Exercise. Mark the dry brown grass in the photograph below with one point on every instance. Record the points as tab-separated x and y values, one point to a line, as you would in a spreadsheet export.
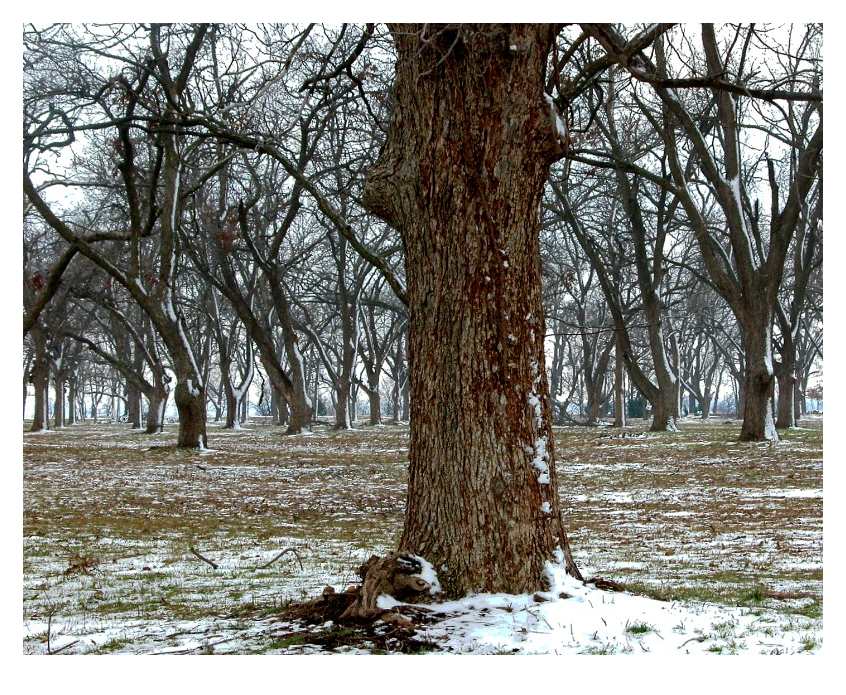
693	514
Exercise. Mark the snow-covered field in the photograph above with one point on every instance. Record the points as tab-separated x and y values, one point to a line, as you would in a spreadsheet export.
118	530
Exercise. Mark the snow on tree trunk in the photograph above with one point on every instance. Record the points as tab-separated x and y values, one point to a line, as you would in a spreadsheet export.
155	411
191	405
786	413
758	425
461	177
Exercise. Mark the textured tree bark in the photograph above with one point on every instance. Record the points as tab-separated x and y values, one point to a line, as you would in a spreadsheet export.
133	405
40	378
191	406
461	177
342	405
759	382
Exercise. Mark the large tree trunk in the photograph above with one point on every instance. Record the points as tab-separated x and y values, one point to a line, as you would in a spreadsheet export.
342	406
461	176
758	387
706	404
665	407
155	411
191	406
40	380
133	405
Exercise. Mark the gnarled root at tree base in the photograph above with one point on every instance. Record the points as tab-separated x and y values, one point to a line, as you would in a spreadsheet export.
396	575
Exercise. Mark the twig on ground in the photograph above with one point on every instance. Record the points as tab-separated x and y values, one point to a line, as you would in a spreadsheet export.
194	552
788	595
276	557
61	649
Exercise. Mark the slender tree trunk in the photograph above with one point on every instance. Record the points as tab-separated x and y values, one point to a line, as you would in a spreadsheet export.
395	403
231	410
229	394
218	405
798	405
786	377
406	401
283	412
316	399
375	403
71	414
619	385
59	407
274	406
461	176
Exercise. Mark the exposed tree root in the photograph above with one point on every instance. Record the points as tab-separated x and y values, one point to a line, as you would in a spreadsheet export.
396	575
356	618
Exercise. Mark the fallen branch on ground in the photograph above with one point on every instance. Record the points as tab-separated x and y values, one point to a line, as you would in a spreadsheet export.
194	552
276	557
606	584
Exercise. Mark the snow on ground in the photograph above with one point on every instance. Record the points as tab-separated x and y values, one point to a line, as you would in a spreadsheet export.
592	621
729	534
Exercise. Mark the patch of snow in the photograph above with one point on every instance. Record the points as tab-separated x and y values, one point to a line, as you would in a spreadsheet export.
590	620
793	492
386	602
428	574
